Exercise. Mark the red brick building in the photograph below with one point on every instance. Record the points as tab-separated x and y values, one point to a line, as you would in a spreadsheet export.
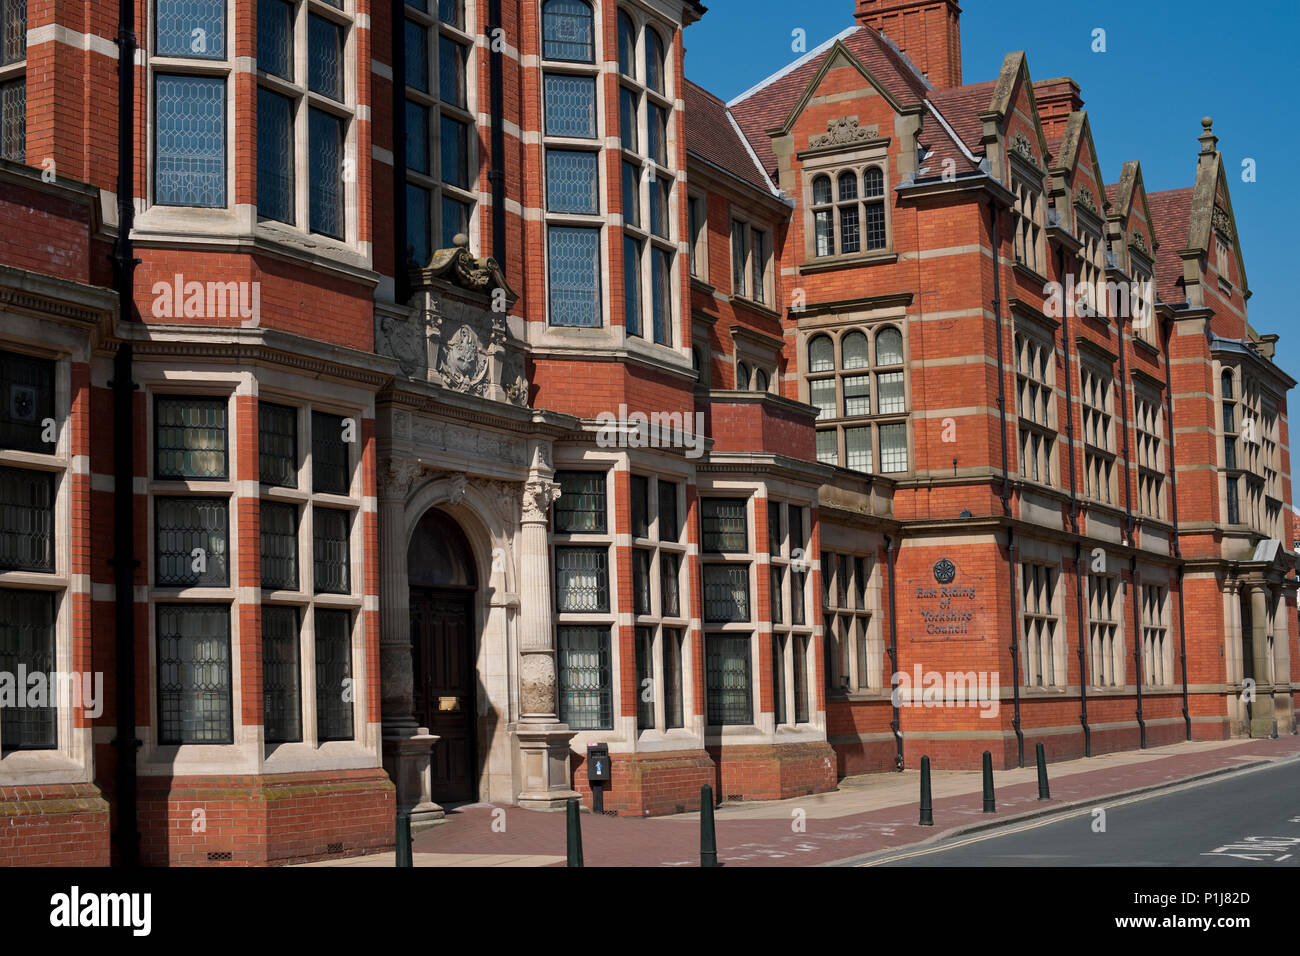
857	419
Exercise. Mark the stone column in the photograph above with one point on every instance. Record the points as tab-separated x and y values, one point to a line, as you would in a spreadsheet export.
1262	723
543	740
407	746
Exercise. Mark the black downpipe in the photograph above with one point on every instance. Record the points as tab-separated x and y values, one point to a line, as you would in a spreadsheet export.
127	834
1074	518
497	175
1128	531
401	263
894	725
1173	494
1006	488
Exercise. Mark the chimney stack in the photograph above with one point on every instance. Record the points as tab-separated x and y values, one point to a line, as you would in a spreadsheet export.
1056	100
928	31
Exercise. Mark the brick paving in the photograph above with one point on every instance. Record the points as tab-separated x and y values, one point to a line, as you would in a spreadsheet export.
867	814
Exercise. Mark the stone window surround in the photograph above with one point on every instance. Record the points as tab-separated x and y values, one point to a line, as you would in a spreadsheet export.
699	201
1152	472
758	352
1117	657
688	732
871	153
435	182
786	629
863	606
1099	455
837	327
1047	554
748	225
249	754
1041	332
1026	183
1157	628
72	759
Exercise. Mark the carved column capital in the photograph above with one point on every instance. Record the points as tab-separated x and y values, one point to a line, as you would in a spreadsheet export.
396	477
539	494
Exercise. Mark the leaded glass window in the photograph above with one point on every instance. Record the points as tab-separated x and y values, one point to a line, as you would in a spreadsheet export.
632	248
190	438
670	565
325	161
581	508
452	12
627	118
575	276
281	675
674	711
335	688
26	520
418	228
779	643
332	550
279	546
329	454
727	680
417	57
657	122
455	220
626	45
190	140
640	506
13	31
26	402
194	683
655	61
582	580
568	31
192	538
13	120
586	691
275	39
194	29
324	57
645	702
454	144
417	137
451	71
726	593
661	274
570	105
801	715
669	526
572	182
277	444
275	195
27	644
641	560
724	525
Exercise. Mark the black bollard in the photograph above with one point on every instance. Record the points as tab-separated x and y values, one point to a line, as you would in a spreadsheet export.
708	836
927	809
990	805
403	840
1044	793
574	832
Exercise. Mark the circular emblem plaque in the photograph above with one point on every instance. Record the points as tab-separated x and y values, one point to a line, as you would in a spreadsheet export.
944	571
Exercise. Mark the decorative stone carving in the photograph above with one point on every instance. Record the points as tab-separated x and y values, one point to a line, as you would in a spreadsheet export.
1223	224
402	339
459	486
539	495
458	265
464	364
1085	201
844	131
1022	146
396	477
537	684
1139	242
440	436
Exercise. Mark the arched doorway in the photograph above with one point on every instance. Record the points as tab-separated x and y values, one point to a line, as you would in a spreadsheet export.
440	571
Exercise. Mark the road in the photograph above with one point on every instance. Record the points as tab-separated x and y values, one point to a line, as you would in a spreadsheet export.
1250	818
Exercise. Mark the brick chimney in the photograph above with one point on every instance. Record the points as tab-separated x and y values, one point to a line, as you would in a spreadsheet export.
928	31
1056	100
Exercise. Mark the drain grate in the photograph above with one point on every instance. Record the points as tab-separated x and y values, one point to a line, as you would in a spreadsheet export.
334	848
220	856
736	797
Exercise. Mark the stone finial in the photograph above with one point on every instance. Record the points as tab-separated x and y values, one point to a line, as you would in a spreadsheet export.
1209	142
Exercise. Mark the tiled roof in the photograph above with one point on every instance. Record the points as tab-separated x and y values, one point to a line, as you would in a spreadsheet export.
711	135
1171	213
961	107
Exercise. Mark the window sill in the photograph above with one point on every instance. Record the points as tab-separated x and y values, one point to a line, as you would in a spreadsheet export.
754	306
1033	275
1152	350
829	264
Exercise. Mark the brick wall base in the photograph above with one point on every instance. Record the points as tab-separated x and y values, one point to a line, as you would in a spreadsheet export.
60	825
647	785
774	772
269	820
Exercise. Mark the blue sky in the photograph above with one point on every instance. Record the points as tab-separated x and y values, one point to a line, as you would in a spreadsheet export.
1166	65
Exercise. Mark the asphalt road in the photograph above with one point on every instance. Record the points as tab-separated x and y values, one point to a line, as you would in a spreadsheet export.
1250	818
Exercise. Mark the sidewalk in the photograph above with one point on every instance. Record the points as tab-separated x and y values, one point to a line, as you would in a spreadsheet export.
867	814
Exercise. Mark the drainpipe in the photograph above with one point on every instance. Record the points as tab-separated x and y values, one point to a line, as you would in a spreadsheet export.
497	175
1128	531
401	274
1006	488
1074	519
894	725
127	834
1173	491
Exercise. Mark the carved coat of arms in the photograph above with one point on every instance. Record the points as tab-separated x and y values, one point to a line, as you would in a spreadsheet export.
464	363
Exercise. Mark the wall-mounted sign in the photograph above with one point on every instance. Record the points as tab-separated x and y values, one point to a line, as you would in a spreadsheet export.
948	610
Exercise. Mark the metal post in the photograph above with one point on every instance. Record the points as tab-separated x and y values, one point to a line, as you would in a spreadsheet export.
708	836
990	805
1044	793
574	831
927	808
403	847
